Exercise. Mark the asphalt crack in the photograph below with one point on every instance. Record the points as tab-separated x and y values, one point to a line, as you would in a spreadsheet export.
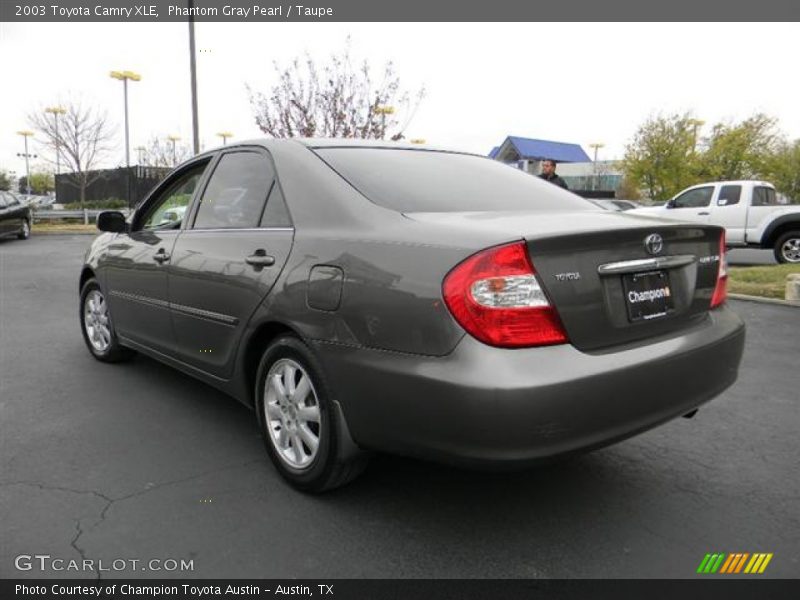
110	501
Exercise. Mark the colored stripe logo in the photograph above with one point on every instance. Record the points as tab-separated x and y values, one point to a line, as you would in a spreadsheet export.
737	562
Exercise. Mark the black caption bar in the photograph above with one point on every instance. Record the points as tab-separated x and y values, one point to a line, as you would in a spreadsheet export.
409	10
414	589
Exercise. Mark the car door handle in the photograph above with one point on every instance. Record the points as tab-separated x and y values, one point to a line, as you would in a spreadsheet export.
260	259
161	257
704	213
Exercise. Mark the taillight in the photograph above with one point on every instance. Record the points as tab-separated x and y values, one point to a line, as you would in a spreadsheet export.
496	297
721	289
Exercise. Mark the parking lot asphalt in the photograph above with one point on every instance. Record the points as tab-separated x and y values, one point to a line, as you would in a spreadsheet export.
137	461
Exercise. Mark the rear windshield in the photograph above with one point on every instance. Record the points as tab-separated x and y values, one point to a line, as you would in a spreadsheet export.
429	181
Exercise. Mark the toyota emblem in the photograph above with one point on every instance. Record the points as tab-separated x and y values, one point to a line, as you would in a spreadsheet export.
653	243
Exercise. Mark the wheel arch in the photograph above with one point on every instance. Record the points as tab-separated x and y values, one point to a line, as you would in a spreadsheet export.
778	228
86	274
254	347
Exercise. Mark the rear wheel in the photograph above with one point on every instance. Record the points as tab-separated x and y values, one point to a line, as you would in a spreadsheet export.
25	231
787	247
300	422
97	326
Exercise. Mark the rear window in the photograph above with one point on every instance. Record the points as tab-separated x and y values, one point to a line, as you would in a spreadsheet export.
429	181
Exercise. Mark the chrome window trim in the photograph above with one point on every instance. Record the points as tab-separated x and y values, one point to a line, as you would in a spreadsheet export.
235	229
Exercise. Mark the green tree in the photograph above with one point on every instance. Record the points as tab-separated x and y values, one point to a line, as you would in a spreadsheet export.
42	183
783	169
661	159
5	182
740	150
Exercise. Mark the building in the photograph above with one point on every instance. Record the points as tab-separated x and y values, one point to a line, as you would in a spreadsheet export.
582	175
527	154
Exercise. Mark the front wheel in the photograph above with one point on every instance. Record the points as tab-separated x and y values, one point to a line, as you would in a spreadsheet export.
97	326
787	247
299	421
25	232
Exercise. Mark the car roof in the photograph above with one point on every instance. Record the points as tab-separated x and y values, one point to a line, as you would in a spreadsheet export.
313	143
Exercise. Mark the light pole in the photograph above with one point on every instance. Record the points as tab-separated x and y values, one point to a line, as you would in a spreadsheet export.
26	134
55	111
173	139
225	135
383	111
596	146
124	76
193	78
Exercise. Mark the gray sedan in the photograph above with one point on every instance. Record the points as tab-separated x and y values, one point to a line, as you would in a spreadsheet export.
378	297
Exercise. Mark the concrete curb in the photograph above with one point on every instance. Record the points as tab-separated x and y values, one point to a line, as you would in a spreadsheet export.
763	300
50	233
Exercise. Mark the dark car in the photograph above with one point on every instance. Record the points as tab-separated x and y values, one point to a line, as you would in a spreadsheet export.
428	303
15	217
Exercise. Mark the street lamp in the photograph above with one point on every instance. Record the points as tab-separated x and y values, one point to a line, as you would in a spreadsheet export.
596	146
26	134
173	139
225	135
55	111
124	76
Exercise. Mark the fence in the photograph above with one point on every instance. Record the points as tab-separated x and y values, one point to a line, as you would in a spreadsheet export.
88	215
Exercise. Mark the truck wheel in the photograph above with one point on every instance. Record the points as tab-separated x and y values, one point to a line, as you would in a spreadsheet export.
787	247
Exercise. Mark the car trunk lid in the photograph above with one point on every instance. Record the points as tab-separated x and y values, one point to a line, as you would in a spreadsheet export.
608	284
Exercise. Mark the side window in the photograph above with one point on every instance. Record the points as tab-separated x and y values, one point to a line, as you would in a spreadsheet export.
695	198
168	210
235	195
729	194
764	196
276	214
2	200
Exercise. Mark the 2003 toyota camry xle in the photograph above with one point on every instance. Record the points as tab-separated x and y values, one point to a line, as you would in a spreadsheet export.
375	297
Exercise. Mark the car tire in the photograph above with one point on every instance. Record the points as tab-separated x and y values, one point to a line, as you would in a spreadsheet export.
97	326
25	232
302	426
787	247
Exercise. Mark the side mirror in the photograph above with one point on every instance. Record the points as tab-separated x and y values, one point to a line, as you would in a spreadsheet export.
113	221
722	202
670	204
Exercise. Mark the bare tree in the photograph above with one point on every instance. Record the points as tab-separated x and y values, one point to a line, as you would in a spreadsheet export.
82	139
159	153
337	100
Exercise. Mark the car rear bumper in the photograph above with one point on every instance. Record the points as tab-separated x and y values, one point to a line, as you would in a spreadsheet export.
481	404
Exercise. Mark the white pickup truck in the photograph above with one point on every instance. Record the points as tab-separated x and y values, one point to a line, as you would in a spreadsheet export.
748	210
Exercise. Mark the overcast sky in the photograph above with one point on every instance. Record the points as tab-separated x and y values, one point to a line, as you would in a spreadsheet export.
578	83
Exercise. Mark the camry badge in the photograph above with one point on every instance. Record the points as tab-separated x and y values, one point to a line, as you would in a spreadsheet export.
653	243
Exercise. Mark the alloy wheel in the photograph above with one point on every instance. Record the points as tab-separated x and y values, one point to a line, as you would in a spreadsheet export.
292	413
791	250
96	322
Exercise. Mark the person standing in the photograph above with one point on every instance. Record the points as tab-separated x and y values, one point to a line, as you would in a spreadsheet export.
549	174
